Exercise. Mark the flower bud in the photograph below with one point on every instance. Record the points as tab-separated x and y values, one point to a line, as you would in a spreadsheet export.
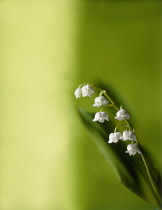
132	149
87	90
114	137
100	101
122	114
101	117
129	135
78	93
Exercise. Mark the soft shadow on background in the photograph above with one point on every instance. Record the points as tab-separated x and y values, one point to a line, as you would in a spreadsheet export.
47	49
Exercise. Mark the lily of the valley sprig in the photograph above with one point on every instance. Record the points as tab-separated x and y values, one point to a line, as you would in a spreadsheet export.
103	100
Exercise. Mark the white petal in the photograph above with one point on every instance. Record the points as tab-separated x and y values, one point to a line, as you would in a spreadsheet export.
98	115
101	120
78	93
122	114
129	135
84	91
105	116
119	135
103	100
114	137
87	90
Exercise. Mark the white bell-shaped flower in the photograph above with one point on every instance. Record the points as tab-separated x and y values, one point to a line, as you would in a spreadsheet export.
132	149
87	90
122	114
129	135
101	117
78	93
114	137
100	101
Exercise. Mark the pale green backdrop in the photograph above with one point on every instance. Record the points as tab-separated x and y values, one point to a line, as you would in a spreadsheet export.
48	162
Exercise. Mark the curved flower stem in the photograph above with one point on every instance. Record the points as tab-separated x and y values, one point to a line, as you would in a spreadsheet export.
119	126
130	126
108	105
108	97
81	85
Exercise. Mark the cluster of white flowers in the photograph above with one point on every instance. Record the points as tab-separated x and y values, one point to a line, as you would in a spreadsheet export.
127	135
86	90
132	149
122	114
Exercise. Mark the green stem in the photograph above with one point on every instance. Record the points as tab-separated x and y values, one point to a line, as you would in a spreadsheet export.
108	97
119	126
108	105
81	85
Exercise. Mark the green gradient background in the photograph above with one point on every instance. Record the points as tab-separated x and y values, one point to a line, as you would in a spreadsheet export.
47	48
